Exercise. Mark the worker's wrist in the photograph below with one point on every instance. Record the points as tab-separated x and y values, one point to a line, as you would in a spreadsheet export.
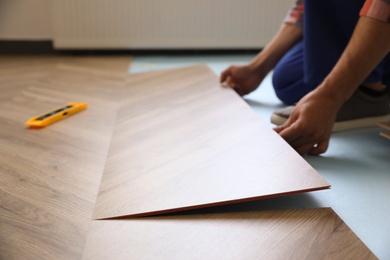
333	94
260	66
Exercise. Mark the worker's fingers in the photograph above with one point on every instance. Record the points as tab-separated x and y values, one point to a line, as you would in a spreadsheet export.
288	131
225	74
229	82
239	91
302	140
304	149
279	128
320	148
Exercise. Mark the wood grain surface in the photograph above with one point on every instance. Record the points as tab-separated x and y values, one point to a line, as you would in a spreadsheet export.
387	127
385	134
174	140
286	234
181	141
49	178
17	72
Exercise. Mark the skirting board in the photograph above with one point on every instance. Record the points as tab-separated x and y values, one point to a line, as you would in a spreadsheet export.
181	141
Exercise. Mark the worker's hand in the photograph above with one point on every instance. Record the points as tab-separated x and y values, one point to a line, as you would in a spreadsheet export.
243	79
309	127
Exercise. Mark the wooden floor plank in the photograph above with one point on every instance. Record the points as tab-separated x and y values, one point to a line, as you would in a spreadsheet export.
18	72
50	177
385	125
287	234
385	134
181	142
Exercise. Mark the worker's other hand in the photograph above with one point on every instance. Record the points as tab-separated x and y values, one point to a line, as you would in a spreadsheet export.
243	79
309	127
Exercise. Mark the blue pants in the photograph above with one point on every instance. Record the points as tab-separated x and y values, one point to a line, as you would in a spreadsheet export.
328	26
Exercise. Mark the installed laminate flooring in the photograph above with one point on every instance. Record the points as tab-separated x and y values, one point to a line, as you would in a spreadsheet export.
50	177
16	73
284	234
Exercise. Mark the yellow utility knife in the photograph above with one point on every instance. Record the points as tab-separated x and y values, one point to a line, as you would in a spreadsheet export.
56	114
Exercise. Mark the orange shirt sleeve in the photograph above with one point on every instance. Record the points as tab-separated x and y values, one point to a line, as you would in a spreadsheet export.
296	14
377	9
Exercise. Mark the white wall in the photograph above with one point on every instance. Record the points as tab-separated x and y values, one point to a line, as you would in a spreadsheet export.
34	20
166	24
25	20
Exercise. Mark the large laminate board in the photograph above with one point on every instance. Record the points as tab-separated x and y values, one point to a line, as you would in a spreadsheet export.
181	141
49	178
284	234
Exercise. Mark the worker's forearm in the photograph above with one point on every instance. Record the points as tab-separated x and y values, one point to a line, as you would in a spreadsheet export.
286	37
369	44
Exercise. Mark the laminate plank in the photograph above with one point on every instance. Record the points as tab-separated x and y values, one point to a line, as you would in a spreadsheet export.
385	125
286	234
49	178
17	72
385	134
181	141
